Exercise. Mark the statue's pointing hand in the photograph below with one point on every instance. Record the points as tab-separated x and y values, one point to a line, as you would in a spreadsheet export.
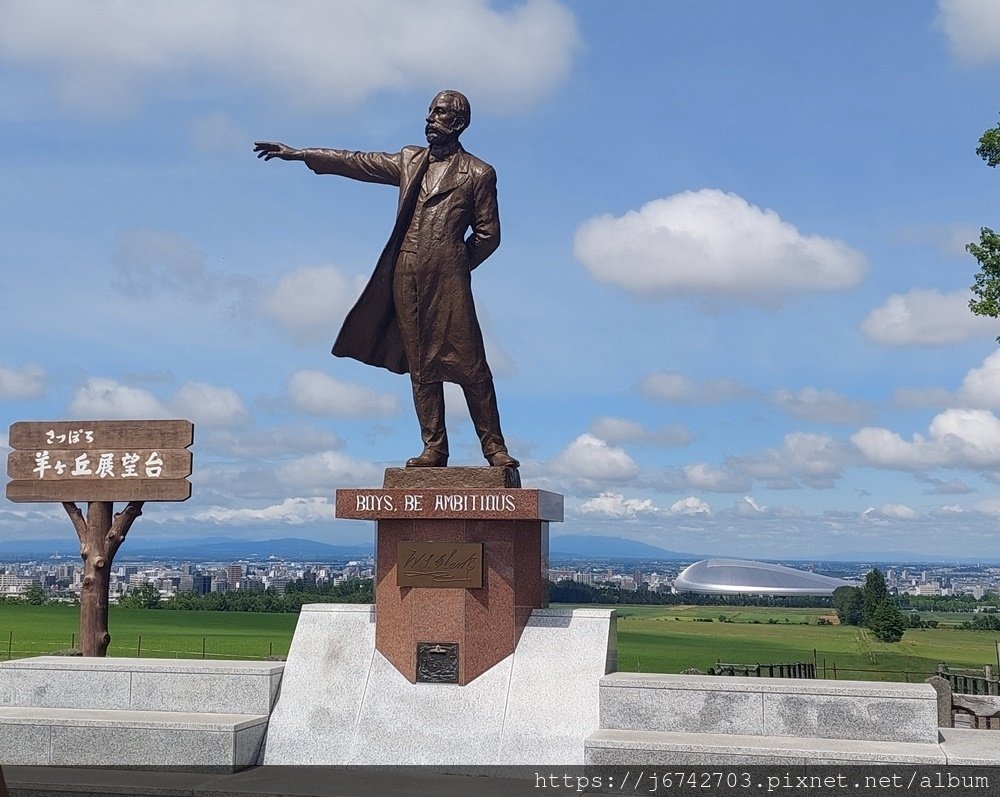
274	149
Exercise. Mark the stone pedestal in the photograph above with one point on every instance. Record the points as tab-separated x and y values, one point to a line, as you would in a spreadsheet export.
461	561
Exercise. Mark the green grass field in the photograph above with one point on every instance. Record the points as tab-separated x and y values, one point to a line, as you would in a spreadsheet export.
650	639
670	639
33	630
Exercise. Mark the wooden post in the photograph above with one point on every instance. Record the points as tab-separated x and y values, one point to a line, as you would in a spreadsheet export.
101	533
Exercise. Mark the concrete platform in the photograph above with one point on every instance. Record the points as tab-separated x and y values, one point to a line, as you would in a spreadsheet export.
136	684
809	709
653	748
342	702
65	736
135	712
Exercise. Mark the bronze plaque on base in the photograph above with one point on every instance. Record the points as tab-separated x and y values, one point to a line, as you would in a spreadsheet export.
437	662
439	564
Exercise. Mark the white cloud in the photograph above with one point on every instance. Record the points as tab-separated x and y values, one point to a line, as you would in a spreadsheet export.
270	442
312	53
617	505
956	438
940	487
981	387
704	477
310	303
618	431
589	457
106	399
711	243
208	405
676	388
26	382
889	512
325	471
972	28
319	394
823	406
926	318
815	460
690	506
291	511
748	506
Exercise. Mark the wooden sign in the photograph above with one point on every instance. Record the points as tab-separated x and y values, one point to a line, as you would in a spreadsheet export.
439	564
100	461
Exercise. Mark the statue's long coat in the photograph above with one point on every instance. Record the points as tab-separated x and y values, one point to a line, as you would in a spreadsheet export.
435	335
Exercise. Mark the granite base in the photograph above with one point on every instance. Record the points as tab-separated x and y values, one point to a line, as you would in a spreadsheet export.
343	702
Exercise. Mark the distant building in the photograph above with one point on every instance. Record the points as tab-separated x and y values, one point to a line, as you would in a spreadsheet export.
744	577
234	575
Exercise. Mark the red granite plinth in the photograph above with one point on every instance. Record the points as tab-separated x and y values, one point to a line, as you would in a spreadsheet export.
512	524
487	622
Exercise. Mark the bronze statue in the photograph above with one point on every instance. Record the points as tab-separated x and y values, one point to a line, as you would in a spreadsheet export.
416	315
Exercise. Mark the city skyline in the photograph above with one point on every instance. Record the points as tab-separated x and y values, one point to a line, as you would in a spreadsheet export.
728	316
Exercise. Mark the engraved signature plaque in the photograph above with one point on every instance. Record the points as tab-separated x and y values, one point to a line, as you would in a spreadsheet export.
437	662
439	564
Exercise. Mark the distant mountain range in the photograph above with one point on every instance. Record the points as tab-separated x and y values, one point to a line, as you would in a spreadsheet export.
221	549
612	547
198	549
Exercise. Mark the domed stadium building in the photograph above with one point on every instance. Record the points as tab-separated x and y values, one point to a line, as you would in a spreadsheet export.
743	577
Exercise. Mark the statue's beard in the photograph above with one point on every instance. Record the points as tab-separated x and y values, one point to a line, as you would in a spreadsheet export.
436	135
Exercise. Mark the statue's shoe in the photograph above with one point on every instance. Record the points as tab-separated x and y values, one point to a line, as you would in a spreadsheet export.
428	459
501	459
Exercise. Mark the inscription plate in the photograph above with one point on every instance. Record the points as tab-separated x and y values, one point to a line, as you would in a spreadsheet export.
464	503
439	564
437	662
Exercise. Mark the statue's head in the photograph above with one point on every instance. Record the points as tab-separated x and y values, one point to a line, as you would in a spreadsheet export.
448	115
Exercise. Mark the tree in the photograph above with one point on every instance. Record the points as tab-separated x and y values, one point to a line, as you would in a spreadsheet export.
35	595
887	621
849	604
989	146
873	593
986	289
145	597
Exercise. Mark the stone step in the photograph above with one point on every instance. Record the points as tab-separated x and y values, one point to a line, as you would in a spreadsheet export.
653	748
137	684
111	738
812	709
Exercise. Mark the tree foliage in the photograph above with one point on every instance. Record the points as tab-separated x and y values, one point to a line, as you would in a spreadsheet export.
887	621
989	146
35	595
986	288
873	593
849	604
872	607
298	593
146	596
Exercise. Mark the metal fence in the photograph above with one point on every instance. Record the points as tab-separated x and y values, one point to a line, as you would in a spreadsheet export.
12	647
795	669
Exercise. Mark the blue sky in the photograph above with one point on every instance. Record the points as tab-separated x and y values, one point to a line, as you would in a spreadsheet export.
728	316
